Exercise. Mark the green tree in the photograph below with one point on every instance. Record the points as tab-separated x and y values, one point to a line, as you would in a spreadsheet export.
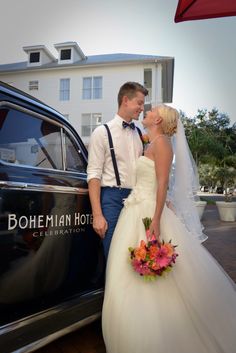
213	144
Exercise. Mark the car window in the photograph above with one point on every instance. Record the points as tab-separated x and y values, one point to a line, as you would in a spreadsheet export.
29	140
74	159
49	145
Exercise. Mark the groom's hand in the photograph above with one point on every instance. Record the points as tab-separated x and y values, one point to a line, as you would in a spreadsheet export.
100	225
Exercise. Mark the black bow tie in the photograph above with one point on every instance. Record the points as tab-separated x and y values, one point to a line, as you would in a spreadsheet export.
131	125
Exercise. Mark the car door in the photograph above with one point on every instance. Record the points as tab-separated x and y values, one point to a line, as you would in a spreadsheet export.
48	249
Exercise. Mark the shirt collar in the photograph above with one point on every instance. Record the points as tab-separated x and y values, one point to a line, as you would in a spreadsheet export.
119	120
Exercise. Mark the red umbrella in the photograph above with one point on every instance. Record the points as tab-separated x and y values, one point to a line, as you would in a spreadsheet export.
188	10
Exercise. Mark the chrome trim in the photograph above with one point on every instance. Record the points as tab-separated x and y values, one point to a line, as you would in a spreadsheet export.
63	148
46	340
31	112
30	100
59	171
43	314
26	321
39	187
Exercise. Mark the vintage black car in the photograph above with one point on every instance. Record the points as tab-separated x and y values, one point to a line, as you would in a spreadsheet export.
51	261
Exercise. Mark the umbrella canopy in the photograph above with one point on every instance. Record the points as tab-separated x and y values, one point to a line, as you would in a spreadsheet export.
188	10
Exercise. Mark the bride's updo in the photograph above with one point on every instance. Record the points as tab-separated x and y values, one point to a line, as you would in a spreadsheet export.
169	117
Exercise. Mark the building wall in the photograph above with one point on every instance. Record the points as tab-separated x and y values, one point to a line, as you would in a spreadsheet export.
113	77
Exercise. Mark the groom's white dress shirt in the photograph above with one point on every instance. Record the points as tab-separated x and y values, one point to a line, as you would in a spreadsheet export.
128	147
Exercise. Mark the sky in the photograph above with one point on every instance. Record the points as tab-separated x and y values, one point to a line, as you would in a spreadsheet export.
204	50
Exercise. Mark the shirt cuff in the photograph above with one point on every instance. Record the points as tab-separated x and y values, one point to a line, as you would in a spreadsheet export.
93	176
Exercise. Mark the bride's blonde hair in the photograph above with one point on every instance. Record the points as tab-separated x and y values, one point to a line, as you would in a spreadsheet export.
169	117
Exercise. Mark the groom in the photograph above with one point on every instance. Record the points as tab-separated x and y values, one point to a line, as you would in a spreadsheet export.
113	151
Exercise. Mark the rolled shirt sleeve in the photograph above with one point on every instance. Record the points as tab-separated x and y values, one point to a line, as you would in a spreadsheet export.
96	155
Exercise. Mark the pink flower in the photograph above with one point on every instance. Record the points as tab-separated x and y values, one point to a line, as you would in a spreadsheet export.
140	267
162	257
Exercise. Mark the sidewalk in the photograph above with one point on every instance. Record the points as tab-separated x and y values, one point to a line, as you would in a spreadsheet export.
221	241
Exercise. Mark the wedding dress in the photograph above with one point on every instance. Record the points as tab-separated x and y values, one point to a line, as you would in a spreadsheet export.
192	309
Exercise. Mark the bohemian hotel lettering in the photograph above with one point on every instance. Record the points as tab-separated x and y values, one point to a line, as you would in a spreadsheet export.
45	221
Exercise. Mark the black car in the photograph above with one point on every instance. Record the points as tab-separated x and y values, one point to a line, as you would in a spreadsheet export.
51	261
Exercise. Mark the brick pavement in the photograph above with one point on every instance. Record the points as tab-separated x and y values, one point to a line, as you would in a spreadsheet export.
221	243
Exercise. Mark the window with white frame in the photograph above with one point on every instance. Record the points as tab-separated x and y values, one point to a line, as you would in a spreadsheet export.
64	89
92	87
97	87
89	122
87	88
33	85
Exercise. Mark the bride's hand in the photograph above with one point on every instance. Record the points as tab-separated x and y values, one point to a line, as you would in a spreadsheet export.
155	230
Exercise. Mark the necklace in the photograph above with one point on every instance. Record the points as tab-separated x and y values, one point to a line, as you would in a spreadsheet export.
155	138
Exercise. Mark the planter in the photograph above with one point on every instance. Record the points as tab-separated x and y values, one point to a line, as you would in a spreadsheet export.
201	207
227	210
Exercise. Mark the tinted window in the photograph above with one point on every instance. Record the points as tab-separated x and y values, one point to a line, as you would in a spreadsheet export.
74	159
49	148
32	141
28	140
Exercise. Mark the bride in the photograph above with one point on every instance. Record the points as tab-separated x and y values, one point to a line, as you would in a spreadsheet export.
193	308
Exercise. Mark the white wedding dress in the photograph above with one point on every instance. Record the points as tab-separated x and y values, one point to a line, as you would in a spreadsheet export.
190	310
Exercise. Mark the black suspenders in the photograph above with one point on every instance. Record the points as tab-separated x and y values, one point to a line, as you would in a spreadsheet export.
140	135
113	153
113	156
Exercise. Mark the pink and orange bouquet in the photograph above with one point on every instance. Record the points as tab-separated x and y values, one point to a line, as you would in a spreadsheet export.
152	258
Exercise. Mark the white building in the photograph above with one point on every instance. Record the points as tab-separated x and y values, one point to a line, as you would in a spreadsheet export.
85	88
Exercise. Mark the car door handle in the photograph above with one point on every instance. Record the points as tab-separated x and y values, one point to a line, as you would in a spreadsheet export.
13	185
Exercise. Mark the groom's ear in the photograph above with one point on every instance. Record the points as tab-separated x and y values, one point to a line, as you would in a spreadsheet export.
125	99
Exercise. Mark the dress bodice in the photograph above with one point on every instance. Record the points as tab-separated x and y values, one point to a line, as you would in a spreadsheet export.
146	183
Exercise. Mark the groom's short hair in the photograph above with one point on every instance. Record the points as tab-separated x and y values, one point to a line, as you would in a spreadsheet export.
130	90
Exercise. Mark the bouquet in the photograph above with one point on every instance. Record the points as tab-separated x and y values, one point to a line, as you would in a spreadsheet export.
152	258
